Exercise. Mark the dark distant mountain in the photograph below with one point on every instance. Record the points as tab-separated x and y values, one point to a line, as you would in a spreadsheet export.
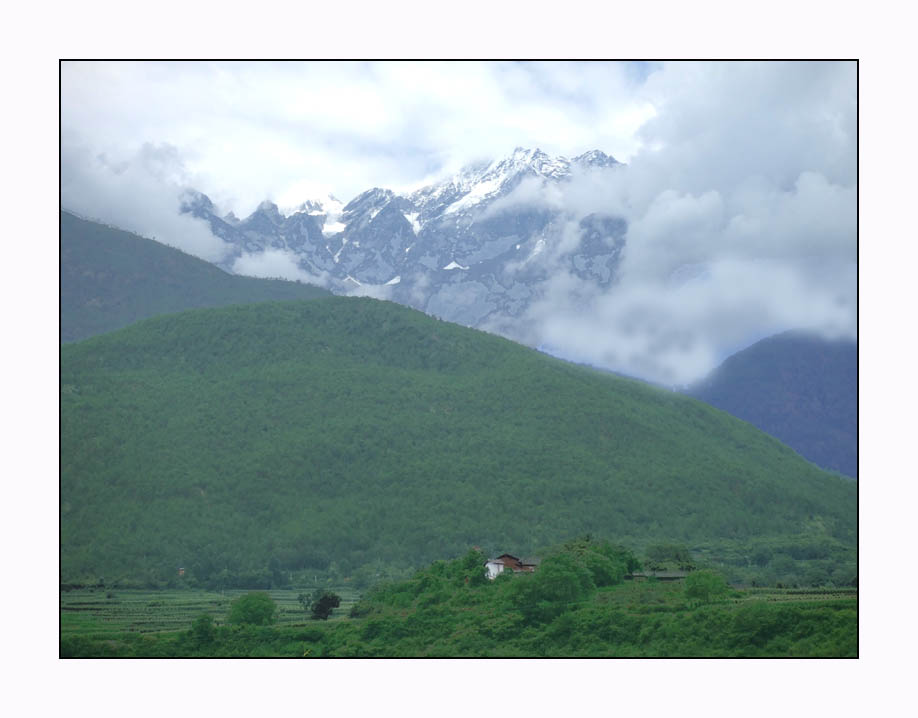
111	278
800	389
455	249
343	433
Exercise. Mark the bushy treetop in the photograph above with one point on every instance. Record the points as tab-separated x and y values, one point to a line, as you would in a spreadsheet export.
256	608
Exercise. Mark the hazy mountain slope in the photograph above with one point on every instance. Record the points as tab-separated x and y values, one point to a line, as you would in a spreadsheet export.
798	388
351	431
111	278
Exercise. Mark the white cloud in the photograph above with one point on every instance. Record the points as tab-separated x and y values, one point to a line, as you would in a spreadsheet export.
376	291
251	131
140	193
275	264
742	222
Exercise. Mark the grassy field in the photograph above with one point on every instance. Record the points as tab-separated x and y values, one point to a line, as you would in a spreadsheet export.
100	613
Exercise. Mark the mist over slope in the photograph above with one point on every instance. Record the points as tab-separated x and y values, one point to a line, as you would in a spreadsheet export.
110	278
797	387
346	432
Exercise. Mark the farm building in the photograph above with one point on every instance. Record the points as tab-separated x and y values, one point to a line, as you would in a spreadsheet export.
496	566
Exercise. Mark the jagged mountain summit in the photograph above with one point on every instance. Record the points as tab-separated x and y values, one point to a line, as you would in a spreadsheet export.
461	249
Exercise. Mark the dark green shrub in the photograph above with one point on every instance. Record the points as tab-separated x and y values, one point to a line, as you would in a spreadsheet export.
360	609
323	603
310	635
203	629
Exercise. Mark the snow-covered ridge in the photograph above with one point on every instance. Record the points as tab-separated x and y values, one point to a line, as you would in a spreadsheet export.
328	209
439	248
481	182
328	205
412	218
472	185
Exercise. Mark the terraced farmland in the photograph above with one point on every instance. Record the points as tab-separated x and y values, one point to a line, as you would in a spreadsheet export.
98	612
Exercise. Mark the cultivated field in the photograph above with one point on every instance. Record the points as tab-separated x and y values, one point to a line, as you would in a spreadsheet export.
799	594
99	611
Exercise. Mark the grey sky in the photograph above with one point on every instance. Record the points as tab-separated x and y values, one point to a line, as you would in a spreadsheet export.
291	131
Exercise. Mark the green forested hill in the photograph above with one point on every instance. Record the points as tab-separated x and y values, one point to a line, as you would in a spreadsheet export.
111	278
343	433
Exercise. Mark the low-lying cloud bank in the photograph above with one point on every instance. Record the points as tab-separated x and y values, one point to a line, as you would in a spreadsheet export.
742	222
140	194
701	275
275	264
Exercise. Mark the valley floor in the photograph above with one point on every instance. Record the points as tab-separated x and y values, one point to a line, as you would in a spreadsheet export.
642	619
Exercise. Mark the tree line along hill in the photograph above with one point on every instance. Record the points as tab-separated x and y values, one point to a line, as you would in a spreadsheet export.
247	444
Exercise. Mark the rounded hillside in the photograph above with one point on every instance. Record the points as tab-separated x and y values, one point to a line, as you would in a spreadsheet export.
347	431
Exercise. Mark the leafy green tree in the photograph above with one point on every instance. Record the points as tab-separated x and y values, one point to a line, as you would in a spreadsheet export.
606	563
323	603
559	583
705	586
256	608
473	568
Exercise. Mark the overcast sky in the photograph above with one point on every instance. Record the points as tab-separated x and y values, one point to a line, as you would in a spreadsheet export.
740	192
243	132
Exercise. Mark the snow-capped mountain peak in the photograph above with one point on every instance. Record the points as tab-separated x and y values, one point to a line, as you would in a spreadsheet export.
438	249
328	205
595	158
482	182
326	210
537	161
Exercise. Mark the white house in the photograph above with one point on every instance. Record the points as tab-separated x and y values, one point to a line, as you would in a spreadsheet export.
496	566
